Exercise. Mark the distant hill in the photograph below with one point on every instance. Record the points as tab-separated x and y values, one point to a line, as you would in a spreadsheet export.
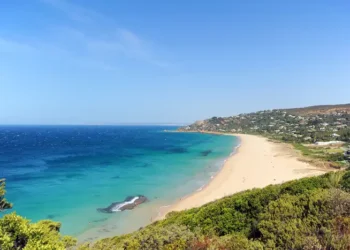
309	124
320	109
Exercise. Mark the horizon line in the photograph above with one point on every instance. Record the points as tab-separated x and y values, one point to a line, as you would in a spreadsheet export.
114	124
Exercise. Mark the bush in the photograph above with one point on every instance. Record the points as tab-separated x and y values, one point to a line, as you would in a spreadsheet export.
169	237
18	233
4	204
345	182
240	212
289	219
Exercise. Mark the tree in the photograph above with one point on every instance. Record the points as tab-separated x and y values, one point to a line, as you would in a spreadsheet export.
4	204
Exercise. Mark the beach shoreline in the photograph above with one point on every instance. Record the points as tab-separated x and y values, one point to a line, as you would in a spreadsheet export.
164	210
255	163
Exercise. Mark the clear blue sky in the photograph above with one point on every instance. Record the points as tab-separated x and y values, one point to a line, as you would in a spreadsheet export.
108	62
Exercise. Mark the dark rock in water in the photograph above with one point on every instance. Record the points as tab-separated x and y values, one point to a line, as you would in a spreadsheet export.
116	177
206	152
51	216
129	203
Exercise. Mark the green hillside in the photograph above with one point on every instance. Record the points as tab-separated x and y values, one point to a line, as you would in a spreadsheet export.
300	126
307	125
320	109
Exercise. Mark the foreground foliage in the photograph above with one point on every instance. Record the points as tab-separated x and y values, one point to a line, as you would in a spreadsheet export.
311	213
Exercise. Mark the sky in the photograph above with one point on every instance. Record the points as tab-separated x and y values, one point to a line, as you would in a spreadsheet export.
155	61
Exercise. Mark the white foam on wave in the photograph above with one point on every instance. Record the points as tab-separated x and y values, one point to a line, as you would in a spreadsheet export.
119	206
235	149
199	189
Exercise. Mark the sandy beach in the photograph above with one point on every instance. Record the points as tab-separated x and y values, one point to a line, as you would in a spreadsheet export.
257	163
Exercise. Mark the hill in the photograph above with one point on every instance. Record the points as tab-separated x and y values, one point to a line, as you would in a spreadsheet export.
320	109
317	124
309	124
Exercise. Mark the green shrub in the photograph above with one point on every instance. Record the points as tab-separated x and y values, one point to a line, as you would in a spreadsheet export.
289	219
345	182
18	233
151	237
4	204
240	212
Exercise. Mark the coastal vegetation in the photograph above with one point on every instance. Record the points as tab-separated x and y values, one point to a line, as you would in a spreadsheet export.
306	125
323	156
309	213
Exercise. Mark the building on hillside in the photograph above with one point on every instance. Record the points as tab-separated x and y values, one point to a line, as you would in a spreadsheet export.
328	143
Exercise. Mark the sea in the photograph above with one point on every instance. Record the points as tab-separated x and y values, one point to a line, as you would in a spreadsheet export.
65	173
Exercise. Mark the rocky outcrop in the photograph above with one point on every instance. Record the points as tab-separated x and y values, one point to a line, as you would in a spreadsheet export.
129	203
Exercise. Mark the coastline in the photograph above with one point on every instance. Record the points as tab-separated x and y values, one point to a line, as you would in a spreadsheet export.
255	163
170	207
201	171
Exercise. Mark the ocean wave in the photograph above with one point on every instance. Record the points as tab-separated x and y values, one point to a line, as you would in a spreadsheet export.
118	207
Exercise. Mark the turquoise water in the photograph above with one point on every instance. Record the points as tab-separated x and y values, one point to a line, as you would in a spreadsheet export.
65	173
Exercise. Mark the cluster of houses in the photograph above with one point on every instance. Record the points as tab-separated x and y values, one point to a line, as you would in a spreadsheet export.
282	124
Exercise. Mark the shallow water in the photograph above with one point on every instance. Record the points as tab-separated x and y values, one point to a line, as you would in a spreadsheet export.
65	173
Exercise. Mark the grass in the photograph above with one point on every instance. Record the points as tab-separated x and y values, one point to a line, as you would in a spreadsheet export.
332	155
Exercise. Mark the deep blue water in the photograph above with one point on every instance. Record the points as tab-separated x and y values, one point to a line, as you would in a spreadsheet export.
64	173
